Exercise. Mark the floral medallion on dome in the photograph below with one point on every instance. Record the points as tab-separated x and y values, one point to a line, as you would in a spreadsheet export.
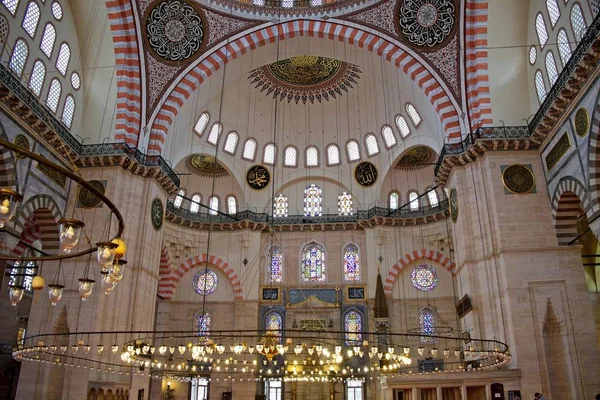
305	78
206	166
426	23
420	156
175	30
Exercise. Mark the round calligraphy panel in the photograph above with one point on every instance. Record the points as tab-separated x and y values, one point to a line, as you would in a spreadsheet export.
88	199
258	177
366	174
518	179
427	24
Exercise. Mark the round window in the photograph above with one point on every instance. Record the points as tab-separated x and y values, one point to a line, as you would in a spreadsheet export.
424	278
205	282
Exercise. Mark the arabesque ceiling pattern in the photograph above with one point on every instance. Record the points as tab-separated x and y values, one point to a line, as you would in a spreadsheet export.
420	37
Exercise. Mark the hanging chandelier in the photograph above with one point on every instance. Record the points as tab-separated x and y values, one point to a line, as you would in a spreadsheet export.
110	253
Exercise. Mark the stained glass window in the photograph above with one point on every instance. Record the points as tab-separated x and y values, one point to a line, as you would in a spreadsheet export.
578	22
333	155
345	204
179	198
312	156
433	198
540	28
201	123
25	281
215	133
36	80
280	206
353	150
275	264
195	203
31	19
48	38
269	154
402	126
231	143
313	201
291	157
427	324
231	205
564	48
394	200
424	278
313	263
413	197
19	57
202	323
351	263
353	328
388	136
205	282
274	323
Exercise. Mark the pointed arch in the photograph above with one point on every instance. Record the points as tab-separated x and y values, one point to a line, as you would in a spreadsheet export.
38	220
433	255
164	269
569	201
443	103
167	285
8	170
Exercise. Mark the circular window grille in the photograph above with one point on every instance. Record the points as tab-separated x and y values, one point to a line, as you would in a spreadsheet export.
205	282
532	55
75	80
424	278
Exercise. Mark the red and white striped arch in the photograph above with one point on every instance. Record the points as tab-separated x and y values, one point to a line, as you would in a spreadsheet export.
433	255
476	63
38	220
168	283
128	70
337	30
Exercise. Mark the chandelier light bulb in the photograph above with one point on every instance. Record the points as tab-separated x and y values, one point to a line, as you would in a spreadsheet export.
100	348
106	253
434	352
338	349
55	293
457	353
391	349
115	348
406	350
15	294
421	350
85	288
162	349
69	233
8	205
446	352
181	349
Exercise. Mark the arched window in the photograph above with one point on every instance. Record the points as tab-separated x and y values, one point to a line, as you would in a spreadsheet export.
231	143
551	68
388	136
195	203
287	3
414	115
11	5
553	11
202	324
312	268
36	80
62	61
16	279
231	205
249	150
578	22
413	198
269	154
427	324
48	38
540	86
394	200
540	29
53	96
564	48
179	198
433	198
372	145
345	204
213	203
19	57
313	201
351	263
201	123
274	323
353	150
275	264
215	133
353	328
311	156
402	126
333	155
280	206
68	111
31	18
291	157
57	10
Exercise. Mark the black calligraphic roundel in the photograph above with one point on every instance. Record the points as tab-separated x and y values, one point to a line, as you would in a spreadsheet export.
258	177
366	174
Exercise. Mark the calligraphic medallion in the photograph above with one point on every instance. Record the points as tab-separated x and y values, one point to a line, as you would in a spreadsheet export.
582	122
427	24
518	179
87	199
454	205
258	177
157	214
365	174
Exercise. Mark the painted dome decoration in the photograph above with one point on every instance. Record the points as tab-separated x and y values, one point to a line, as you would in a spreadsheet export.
206	166
305	78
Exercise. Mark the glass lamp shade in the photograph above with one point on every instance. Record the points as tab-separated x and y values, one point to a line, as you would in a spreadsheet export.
9	199
38	282
15	294
117	269
70	231
85	288
106	253
108	284
55	293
